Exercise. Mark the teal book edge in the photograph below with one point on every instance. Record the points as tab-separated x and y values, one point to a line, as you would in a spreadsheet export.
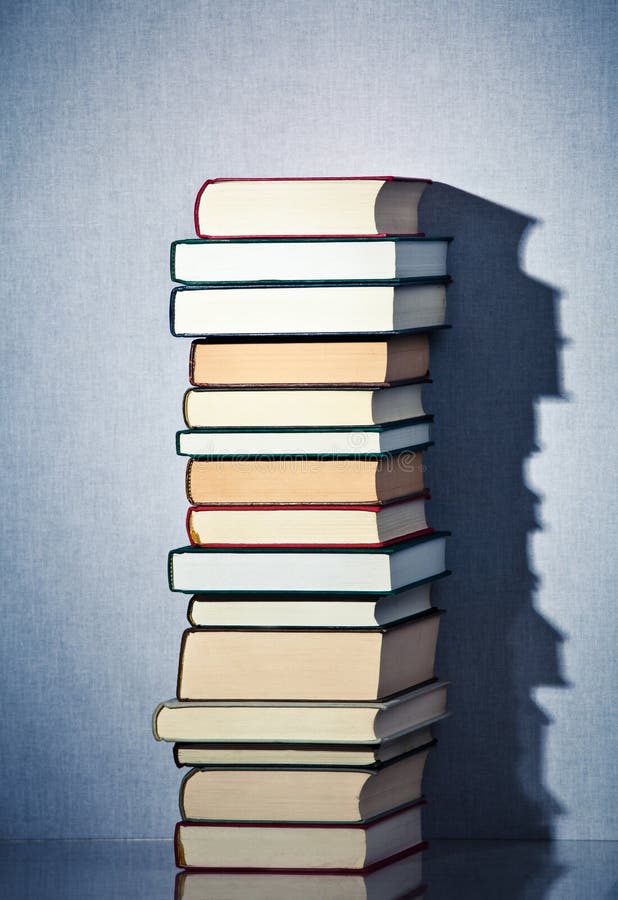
369	597
314	429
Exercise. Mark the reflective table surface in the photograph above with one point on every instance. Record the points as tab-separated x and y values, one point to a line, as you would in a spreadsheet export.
144	870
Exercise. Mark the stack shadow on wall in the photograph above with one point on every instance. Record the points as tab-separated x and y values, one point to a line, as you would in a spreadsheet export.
306	689
506	357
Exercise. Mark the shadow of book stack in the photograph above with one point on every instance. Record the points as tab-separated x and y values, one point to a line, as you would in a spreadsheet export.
306	688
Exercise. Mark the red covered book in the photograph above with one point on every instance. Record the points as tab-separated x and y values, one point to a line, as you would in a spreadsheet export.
277	847
307	525
308	207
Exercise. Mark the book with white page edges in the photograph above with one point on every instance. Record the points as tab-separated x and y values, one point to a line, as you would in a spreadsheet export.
193	569
379	308
405	434
195	261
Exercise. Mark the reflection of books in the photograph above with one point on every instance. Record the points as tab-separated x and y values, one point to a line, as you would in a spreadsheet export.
227	207
331	755
277	845
194	261
311	610
334	663
320	722
297	309
395	881
285	794
371	362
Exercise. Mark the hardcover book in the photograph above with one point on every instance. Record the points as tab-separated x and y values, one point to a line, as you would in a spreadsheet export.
311	610
304	363
368	663
336	440
195	261
193	569
273	407
305	722
303	479
314	524
341	310
233	207
337	847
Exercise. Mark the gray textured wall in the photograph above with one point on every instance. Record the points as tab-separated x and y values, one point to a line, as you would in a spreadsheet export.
114	113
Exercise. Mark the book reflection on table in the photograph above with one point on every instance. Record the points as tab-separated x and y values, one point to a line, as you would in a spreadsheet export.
399	880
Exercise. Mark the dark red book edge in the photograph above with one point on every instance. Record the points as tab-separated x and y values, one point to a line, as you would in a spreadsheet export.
361	507
402	854
371	508
312	385
321	545
181	877
368	870
312	178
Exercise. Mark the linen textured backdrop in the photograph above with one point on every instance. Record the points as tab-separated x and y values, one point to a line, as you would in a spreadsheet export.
114	113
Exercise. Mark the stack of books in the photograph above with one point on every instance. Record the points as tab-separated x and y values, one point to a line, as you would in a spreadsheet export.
306	685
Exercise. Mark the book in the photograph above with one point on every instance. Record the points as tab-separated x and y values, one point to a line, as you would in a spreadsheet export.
196	261
295	525
266	407
354	847
304	479
395	881
406	434
193	569
307	722
334	663
309	362
233	207
303	309
285	794
347	610
291	754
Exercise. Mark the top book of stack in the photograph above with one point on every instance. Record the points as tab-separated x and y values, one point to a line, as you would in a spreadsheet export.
308	207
